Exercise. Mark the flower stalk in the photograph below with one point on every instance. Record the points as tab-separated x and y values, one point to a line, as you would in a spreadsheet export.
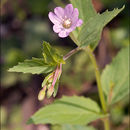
98	79
71	53
97	73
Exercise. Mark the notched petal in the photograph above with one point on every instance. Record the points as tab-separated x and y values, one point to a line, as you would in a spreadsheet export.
56	28
75	16
63	34
54	19
80	22
69	10
59	12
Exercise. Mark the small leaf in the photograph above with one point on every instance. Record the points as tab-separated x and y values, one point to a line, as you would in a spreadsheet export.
115	77
34	66
51	55
91	31
68	110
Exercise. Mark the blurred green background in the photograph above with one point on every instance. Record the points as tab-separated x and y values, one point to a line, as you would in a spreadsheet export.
24	25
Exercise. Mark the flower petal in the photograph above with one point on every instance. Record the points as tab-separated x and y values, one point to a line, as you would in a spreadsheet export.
79	22
71	28
75	16
54	19
56	28
63	34
68	10
59	12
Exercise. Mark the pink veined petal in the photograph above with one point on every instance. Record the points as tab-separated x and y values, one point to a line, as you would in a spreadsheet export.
63	34
59	12
75	16
54	19
79	22
68	10
71	29
56	28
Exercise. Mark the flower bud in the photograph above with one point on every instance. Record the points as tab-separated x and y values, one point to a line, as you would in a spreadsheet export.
50	91
50	80
41	94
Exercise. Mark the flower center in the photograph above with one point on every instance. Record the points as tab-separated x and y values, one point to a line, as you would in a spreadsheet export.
67	23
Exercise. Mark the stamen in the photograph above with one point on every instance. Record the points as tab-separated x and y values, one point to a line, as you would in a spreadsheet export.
67	23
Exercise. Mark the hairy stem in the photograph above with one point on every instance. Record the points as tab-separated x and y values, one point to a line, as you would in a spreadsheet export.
71	53
98	79
97	73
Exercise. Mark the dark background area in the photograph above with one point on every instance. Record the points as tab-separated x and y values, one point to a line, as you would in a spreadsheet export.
24	25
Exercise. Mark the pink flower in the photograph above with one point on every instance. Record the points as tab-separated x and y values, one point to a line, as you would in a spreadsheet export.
65	20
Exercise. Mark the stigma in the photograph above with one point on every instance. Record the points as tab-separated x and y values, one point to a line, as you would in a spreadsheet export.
67	23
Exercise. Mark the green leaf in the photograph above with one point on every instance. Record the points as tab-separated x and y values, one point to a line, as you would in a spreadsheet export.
50	55
77	127
115	77
68	110
91	32
34	66
82	5
72	127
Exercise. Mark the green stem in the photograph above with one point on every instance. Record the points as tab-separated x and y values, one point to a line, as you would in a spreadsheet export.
97	73
98	79
71	53
106	124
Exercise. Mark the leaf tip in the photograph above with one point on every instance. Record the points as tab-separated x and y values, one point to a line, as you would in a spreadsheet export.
123	7
10	70
30	121
44	43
